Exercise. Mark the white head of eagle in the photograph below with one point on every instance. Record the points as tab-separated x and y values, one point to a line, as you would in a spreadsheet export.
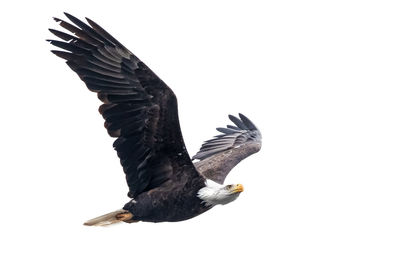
216	194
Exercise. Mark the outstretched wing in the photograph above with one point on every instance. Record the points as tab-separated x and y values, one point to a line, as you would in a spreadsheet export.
139	109
220	154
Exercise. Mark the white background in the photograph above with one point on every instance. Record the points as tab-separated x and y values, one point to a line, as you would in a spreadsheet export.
319	78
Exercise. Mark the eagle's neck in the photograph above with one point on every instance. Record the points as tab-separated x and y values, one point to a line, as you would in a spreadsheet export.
215	194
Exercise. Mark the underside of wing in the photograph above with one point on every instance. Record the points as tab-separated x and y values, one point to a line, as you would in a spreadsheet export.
139	109
220	154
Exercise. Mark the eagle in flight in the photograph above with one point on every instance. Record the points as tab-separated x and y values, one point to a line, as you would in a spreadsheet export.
141	112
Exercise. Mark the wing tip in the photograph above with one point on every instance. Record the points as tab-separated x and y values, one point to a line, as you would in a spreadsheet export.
247	122
91	22
232	117
68	14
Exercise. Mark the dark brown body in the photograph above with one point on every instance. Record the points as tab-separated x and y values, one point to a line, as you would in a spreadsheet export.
169	204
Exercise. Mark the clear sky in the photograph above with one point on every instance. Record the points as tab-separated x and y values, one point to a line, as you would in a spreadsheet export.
319	78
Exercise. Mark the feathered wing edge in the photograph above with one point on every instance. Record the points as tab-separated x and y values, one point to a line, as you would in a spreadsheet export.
232	136
220	154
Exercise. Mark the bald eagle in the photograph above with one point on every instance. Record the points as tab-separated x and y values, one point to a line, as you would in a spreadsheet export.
140	110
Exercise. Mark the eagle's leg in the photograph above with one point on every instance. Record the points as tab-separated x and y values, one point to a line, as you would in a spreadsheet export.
112	218
126	217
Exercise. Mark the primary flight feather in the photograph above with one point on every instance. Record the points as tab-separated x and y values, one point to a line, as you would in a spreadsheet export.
140	110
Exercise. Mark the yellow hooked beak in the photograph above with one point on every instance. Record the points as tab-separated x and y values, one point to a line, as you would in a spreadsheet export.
237	188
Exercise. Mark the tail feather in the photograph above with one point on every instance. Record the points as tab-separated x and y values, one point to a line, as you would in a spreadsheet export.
110	218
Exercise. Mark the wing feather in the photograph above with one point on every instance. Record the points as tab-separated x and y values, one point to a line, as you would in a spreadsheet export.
217	156
139	109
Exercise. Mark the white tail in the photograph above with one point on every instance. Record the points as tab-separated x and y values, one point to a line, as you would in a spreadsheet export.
110	218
